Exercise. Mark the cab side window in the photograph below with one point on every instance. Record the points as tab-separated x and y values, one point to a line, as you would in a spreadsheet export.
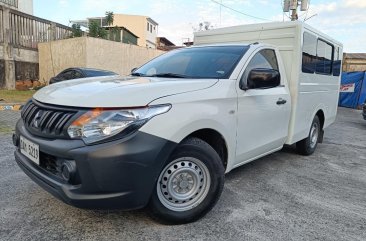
264	59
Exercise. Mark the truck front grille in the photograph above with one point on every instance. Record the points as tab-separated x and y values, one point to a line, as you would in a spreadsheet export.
47	121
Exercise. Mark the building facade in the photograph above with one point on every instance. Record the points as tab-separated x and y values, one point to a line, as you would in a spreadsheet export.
354	62
122	35
25	6
142	26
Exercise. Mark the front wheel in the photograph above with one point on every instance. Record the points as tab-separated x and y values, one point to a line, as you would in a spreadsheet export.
189	185
308	145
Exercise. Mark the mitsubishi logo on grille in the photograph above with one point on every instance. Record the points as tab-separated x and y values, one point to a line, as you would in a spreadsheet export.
37	119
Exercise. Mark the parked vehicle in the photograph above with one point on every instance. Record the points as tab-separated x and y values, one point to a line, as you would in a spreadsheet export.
79	73
165	136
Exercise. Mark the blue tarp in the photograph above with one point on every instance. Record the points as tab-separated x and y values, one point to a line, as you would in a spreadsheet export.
350	81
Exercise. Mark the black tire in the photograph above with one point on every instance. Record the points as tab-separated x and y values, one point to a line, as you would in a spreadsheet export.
195	149
306	146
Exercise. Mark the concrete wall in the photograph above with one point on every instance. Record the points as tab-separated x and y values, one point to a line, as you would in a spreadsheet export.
59	55
93	53
117	57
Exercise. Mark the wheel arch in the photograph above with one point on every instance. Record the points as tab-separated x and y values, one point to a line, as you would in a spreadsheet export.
321	116
216	140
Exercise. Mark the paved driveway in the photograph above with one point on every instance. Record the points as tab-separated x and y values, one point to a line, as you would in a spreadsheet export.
283	196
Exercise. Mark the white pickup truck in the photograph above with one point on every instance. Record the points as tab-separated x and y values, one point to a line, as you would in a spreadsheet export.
165	136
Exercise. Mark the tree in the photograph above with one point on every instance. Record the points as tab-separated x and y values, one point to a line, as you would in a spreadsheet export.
76	31
109	18
96	31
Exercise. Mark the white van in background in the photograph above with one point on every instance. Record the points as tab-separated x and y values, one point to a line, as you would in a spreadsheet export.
165	136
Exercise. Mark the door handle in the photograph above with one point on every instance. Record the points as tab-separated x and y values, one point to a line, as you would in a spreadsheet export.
281	101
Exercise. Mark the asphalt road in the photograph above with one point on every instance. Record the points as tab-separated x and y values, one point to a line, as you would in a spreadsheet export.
283	196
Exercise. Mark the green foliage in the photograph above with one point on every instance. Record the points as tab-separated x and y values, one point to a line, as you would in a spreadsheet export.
94	29
76	31
102	33
109	17
115	34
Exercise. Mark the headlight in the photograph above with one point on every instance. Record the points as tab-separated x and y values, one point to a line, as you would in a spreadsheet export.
99	124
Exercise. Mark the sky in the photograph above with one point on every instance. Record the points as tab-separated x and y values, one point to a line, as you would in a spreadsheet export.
344	20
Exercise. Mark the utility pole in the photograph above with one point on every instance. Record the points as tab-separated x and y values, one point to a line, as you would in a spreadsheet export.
293	5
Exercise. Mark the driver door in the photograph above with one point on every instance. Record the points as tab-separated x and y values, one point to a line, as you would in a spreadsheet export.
263	113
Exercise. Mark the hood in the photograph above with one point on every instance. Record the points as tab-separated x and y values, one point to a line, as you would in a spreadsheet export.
117	91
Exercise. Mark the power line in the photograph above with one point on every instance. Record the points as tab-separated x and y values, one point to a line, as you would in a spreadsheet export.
245	14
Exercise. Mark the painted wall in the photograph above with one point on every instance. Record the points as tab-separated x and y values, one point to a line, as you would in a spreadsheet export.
138	25
93	53
151	35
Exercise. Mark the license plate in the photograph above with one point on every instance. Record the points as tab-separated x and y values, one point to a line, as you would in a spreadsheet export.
29	149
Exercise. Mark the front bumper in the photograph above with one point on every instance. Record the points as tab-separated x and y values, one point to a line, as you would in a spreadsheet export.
119	174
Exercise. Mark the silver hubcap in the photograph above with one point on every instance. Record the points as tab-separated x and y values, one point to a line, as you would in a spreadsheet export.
314	133
183	184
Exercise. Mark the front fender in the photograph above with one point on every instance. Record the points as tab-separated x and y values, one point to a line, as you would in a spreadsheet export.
213	108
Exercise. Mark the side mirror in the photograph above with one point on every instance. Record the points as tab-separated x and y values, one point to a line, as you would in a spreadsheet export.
263	78
133	70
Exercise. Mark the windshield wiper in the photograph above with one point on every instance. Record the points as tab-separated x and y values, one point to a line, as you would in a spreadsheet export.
169	75
137	74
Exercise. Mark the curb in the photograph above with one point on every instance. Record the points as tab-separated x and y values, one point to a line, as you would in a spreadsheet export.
11	106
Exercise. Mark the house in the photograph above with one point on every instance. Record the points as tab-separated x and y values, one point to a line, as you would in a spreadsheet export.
165	44
144	27
188	43
25	6
354	62
122	34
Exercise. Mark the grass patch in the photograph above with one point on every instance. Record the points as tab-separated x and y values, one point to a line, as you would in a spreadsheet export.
5	128
15	96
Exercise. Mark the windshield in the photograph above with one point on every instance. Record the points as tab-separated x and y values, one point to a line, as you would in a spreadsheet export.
203	62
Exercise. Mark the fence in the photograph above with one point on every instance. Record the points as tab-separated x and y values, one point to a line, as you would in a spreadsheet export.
1	26
20	34
26	31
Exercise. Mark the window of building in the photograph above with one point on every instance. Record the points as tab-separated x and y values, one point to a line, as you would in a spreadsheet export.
309	53
13	3
324	54
148	26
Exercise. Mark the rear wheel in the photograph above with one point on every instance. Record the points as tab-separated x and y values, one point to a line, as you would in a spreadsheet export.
308	145
189	185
